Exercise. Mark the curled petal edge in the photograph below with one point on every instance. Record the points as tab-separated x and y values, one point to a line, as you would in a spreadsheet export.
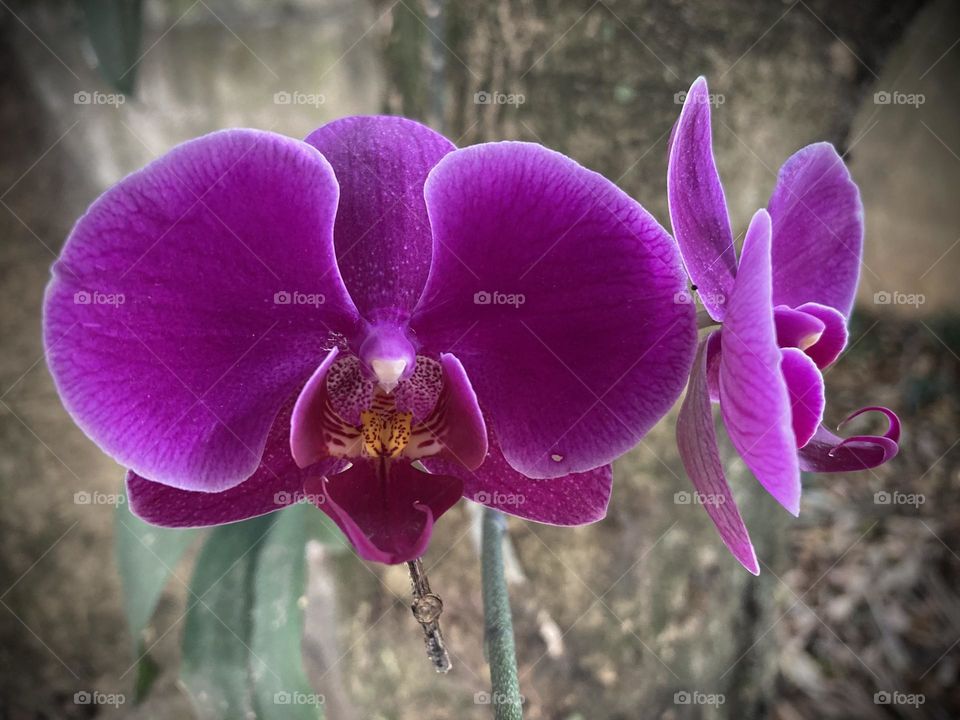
827	452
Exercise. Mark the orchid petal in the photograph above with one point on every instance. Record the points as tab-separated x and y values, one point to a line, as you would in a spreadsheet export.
828	453
457	422
698	208
556	291
382	234
795	328
575	499
893	422
308	443
817	230
753	395
386	513
832	340
697	442
276	483
174	324
807	398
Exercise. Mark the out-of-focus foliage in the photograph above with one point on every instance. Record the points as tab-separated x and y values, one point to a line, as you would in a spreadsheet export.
115	28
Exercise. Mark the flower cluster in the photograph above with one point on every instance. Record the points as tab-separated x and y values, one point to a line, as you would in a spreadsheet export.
379	323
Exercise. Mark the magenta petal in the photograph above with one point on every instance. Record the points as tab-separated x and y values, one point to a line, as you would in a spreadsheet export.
817	230
276	483
753	395
307	441
828	453
795	328
834	337
192	299
698	208
575	499
893	422
458	422
387	514
382	234
556	291
807	399
697	442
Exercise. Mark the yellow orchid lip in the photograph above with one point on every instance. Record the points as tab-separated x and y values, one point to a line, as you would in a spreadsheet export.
387	425
385	432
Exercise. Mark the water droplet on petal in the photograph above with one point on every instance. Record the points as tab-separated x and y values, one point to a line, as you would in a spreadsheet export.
556	457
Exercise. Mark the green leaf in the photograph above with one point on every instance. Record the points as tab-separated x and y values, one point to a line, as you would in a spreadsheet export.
215	665
280	686
146	556
241	642
147	673
115	28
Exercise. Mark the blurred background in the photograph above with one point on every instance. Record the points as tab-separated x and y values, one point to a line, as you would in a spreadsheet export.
857	611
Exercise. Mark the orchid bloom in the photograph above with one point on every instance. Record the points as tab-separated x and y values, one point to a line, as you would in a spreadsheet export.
252	320
783	311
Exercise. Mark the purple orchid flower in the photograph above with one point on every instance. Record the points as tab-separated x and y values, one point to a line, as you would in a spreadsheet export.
783	312
252	320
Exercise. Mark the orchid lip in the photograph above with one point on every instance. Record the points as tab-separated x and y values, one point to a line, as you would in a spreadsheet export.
343	413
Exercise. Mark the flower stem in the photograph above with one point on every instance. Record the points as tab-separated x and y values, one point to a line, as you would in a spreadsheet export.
704	320
498	625
426	608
